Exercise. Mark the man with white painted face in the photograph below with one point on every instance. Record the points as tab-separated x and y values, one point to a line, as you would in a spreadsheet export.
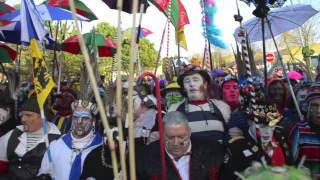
22	149
186	158
207	117
7	112
69	152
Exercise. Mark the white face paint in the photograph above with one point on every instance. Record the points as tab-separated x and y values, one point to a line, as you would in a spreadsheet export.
82	123
266	134
194	86
4	115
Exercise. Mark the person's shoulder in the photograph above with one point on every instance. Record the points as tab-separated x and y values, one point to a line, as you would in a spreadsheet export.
53	129
223	107
174	107
207	146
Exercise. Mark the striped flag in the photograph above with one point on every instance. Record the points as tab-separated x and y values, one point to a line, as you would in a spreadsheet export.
32	26
43	81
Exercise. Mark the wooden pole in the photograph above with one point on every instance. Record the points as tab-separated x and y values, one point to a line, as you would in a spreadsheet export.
130	92
119	93
96	92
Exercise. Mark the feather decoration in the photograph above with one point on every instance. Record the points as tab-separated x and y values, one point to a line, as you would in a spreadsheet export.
212	33
13	83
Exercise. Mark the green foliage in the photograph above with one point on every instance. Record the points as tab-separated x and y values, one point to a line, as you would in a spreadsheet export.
147	52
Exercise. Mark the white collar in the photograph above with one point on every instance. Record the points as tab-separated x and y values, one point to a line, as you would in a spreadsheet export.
188	151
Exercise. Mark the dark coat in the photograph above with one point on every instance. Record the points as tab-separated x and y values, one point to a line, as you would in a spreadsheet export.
206	159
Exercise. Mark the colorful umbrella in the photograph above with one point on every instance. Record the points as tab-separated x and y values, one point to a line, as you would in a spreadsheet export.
106	47
46	12
127	5
81	8
5	8
179	16
144	32
7	54
11	33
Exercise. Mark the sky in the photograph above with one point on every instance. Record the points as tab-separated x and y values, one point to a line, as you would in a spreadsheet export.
155	21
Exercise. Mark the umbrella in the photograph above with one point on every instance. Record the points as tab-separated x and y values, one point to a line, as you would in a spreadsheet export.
144	32
11	33
281	20
81	8
46	12
106	47
295	75
7	54
127	5
5	8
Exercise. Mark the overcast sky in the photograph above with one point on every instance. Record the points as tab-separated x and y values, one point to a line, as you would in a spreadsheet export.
155	21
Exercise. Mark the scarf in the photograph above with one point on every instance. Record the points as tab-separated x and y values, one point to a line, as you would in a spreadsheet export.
76	165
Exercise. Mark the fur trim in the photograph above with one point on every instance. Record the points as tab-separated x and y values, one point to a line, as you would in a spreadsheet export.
224	109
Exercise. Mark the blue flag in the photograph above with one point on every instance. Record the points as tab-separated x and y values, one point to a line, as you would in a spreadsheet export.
32	26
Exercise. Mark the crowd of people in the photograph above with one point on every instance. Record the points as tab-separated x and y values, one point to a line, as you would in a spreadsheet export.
215	126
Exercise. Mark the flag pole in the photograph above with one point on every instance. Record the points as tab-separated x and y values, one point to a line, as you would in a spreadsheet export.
119	93
285	72
130	92
160	48
96	92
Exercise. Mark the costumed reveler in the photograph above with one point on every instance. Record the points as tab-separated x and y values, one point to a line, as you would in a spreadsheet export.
69	152
304	137
207	117
22	149
98	163
186	158
7	112
63	110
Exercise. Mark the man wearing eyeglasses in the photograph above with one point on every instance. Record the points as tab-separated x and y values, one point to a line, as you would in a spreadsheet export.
69	152
186	159
22	149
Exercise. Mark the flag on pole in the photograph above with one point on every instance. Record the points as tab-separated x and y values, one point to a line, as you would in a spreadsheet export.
32	26
43	81
179	16
181	38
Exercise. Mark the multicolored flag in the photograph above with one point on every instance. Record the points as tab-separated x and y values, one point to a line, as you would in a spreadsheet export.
43	82
32	25
179	16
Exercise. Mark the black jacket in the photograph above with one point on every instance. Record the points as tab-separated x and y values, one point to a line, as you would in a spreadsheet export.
206	159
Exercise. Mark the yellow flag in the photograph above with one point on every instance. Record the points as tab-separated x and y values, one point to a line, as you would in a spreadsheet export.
181	38
43	82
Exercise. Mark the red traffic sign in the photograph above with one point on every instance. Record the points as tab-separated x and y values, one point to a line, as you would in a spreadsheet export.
269	57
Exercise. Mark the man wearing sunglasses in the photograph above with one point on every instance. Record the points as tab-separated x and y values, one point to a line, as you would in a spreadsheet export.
69	152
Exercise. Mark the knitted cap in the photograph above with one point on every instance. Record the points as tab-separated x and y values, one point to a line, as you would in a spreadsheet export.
31	105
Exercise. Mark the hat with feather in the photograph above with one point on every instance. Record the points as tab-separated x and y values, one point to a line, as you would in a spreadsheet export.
86	97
